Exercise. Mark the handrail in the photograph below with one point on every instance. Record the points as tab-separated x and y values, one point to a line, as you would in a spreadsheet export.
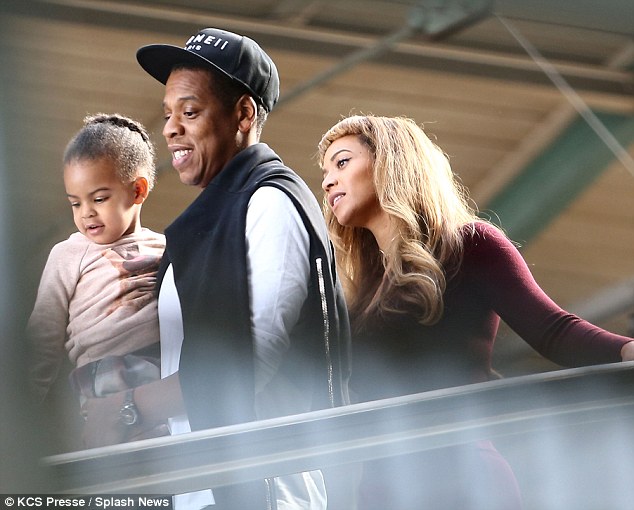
358	432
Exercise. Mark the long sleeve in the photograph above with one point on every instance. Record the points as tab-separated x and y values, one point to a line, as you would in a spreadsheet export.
517	298
277	252
278	257
47	326
94	300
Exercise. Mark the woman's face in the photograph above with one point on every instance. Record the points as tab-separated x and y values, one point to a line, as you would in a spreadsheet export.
348	183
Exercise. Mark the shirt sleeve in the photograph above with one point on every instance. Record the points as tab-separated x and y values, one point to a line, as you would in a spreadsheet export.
509	285
47	325
278	271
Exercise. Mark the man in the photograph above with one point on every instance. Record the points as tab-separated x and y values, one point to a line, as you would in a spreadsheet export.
253	323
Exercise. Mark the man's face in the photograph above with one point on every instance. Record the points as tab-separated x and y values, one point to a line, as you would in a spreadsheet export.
200	132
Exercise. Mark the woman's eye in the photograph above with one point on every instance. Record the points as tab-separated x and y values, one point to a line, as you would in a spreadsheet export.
342	162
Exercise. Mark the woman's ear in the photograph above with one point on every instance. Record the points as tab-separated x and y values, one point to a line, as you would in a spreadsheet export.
141	190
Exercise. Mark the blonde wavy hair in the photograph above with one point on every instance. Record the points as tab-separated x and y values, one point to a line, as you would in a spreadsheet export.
428	208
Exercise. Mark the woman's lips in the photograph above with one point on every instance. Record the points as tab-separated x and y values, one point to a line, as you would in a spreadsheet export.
334	199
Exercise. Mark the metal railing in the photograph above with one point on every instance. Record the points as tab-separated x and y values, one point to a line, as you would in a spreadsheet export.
358	432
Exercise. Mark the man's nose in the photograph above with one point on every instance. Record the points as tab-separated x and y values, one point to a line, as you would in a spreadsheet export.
172	127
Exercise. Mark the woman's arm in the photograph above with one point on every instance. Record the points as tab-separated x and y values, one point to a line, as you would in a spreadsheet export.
513	293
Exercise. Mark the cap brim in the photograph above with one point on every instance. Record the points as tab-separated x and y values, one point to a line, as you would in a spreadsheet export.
158	60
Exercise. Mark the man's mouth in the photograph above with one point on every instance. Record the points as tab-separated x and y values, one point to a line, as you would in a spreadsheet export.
181	153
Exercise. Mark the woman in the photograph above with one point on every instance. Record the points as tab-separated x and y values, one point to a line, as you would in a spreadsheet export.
427	282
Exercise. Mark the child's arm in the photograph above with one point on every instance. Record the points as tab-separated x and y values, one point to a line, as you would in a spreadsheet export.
46	328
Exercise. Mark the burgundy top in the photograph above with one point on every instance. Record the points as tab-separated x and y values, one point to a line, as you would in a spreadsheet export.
399	356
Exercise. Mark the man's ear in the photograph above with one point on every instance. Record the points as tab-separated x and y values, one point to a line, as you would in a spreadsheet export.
141	190
247	111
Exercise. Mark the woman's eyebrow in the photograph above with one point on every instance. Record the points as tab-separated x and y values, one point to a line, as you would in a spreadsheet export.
332	158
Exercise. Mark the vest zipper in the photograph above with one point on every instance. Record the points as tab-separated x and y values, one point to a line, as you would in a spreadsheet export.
324	311
269	494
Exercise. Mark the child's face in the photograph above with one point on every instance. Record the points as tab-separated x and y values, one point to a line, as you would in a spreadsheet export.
104	208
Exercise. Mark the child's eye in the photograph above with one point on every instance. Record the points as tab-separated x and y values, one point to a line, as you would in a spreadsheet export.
74	204
100	200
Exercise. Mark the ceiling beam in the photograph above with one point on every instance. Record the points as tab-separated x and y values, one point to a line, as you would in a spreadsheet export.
556	177
142	15
433	22
607	303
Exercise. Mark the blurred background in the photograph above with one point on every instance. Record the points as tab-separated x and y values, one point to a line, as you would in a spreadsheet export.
532	100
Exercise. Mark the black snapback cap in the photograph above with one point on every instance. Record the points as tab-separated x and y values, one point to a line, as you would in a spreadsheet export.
236	56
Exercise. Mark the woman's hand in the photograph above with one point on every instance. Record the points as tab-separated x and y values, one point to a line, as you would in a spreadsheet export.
627	351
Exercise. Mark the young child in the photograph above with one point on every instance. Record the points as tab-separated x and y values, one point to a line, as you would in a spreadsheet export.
96	298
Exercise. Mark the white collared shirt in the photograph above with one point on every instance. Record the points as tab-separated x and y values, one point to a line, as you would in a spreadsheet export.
278	255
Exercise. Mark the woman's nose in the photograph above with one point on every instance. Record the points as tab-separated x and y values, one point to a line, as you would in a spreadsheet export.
327	182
